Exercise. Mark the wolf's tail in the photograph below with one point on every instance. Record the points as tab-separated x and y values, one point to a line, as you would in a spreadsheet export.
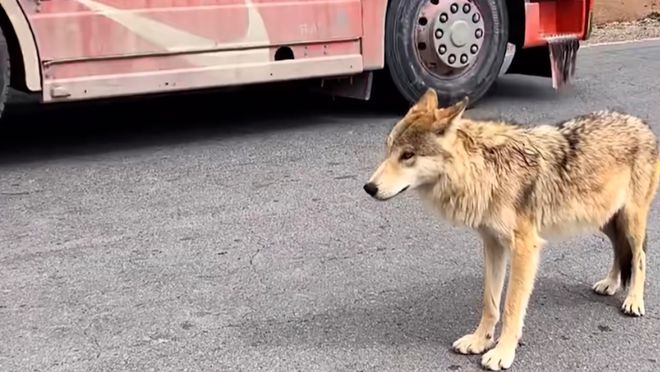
655	180
657	170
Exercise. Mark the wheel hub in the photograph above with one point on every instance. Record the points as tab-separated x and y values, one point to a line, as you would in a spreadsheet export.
454	29
460	33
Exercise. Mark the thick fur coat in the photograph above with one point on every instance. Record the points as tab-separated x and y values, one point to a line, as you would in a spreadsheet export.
517	186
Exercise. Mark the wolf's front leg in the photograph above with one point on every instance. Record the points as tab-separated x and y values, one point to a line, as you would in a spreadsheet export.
494	268
524	263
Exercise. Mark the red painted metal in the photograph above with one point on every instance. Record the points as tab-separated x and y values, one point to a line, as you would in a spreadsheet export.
114	47
555	18
96	40
65	31
373	33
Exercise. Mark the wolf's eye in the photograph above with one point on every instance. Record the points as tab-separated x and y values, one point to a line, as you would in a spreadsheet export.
407	155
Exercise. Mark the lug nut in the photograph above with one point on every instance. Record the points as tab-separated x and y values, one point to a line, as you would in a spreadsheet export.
464	58
466	8
475	17
452	58
474	48
443	17
442	49
439	34
454	8
479	33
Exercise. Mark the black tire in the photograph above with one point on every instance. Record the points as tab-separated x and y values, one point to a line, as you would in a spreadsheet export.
5	72
412	79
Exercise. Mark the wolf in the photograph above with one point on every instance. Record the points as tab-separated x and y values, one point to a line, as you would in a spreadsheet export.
519	186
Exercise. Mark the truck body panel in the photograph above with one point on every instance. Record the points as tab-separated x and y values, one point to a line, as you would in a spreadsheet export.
102	48
82	49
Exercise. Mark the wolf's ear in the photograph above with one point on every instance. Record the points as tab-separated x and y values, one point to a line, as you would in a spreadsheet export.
453	112
445	118
428	102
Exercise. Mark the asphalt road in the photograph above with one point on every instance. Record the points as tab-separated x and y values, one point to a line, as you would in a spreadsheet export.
187	234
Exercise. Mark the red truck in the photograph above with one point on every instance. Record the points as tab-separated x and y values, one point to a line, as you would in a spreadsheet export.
67	50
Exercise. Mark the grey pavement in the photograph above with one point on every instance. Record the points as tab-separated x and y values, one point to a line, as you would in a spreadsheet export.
187	234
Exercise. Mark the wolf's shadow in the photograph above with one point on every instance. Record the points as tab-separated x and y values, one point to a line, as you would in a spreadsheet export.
436	315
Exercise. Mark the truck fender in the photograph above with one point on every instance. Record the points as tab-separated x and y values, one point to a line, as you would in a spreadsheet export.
20	28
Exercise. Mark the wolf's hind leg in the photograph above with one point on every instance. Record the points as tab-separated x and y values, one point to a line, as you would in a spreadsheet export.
633	223
483	337
620	247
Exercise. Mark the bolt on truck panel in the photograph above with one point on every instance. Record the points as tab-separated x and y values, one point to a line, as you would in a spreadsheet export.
82	49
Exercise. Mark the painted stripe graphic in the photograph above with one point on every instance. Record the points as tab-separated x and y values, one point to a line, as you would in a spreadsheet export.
175	40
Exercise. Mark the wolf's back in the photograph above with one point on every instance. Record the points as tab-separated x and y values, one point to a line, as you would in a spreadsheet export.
607	136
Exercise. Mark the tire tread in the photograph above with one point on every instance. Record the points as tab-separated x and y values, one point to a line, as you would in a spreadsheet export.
5	72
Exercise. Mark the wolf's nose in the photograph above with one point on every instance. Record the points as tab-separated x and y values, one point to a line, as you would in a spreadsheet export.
371	188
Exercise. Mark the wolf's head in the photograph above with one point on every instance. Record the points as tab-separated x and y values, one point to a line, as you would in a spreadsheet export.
419	148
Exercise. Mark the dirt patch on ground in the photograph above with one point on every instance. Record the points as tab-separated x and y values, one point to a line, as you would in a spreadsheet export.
623	10
647	27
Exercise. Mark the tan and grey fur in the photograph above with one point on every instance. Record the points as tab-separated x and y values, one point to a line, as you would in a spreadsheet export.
517	186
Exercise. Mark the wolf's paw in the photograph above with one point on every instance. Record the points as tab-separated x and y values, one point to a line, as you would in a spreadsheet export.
606	287
473	344
501	357
633	306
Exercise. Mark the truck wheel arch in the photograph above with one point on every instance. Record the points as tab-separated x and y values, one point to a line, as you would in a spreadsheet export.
26	71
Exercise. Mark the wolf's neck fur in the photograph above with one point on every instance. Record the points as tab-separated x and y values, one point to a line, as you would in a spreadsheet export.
477	183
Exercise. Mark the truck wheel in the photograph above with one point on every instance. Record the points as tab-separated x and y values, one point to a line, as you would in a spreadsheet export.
4	72
453	46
